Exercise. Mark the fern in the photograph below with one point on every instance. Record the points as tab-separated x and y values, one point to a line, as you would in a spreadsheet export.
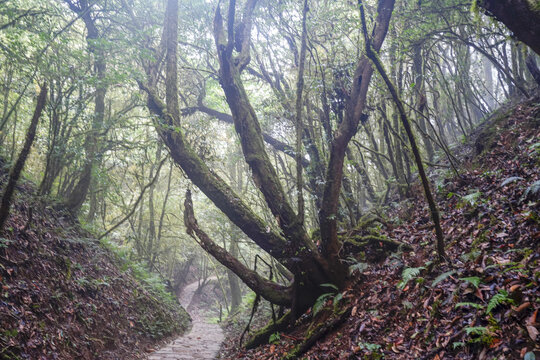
320	302
474	280
532	190
274	338
511	179
471	304
359	266
498	299
476	330
331	286
409	274
442	277
472	198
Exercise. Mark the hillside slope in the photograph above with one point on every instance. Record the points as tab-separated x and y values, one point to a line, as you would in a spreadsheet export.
63	295
483	303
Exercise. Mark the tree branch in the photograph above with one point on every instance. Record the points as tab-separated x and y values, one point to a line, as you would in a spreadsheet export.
271	291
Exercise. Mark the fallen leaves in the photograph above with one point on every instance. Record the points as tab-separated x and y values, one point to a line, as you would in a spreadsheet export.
531	326
494	248
56	304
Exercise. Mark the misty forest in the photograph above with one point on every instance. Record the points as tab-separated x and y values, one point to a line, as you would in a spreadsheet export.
257	179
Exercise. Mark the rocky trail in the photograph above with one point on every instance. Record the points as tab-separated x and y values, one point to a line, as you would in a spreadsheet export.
202	342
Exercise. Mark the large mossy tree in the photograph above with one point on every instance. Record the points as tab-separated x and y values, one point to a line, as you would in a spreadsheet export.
292	246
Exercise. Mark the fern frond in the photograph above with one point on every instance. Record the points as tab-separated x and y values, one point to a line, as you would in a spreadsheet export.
408	274
471	304
498	299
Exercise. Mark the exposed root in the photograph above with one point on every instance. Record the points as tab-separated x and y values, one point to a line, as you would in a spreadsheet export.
362	241
316	334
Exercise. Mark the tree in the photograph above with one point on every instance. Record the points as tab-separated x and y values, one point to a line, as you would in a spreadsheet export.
15	172
291	245
521	16
79	192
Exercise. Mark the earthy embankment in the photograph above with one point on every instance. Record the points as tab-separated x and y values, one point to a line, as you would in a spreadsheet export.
64	296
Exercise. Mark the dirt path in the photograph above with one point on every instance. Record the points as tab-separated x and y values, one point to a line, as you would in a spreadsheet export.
202	342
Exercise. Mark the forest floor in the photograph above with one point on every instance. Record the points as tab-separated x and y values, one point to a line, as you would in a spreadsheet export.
204	339
64	295
483	302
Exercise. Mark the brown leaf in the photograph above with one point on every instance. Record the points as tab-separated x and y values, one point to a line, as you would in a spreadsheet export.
533	332
522	307
532	319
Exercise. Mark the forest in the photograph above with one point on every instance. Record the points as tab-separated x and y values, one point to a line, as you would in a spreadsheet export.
256	179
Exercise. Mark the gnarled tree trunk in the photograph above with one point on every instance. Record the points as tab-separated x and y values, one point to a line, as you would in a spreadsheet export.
522	17
292	246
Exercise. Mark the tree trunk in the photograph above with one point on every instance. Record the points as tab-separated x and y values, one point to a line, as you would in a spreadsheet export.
519	16
292	247
77	196
299	120
533	68
342	136
234	284
15	172
421	99
373	56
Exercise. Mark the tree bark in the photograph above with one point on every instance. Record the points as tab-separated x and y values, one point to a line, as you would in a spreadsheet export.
299	120
519	16
275	293
373	56
15	172
342	136
533	68
421	98
77	196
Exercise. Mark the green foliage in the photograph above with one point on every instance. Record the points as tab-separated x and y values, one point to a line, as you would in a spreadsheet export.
469	304
510	180
4	243
358	266
320	302
150	281
532	190
476	330
374	349
274	338
331	286
442	277
498	299
479	334
408	274
471	199
535	147
473	280
470	256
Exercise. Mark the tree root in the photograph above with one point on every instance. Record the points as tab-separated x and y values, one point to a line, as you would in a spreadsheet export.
368	220
262	336
362	241
316	334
